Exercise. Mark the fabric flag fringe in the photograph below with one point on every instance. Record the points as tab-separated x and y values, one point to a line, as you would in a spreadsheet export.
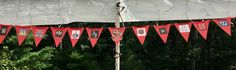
117	33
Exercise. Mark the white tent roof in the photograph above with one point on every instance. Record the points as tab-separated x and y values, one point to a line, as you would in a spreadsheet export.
49	12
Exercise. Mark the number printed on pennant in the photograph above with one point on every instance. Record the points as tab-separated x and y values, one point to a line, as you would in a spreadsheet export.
75	34
223	23
184	28
141	32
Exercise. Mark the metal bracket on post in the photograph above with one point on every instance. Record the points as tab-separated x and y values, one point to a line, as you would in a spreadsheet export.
117	55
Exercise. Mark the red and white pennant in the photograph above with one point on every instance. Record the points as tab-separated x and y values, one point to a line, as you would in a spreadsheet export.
4	30
38	33
94	34
22	32
202	27
184	29
225	24
117	34
58	34
141	32
163	31
74	34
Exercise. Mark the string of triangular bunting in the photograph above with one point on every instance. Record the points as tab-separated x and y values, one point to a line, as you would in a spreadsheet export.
116	33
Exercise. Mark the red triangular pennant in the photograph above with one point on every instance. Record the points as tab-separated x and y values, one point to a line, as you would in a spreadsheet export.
141	32
74	34
94	34
38	33
202	28
58	34
184	30
163	31
4	30
22	32
225	24
117	34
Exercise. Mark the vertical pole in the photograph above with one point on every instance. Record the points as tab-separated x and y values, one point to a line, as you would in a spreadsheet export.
117	57
117	52
117	48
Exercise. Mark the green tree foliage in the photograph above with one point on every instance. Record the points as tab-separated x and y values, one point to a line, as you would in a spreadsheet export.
5	60
23	57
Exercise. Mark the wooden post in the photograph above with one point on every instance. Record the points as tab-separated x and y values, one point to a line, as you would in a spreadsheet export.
117	57
117	25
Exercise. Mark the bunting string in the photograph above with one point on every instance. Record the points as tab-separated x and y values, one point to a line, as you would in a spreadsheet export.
116	33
